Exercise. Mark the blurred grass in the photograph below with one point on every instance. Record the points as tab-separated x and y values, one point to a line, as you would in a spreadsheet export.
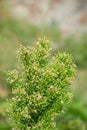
77	47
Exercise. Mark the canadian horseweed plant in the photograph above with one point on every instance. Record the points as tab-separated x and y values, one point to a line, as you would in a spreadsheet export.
39	86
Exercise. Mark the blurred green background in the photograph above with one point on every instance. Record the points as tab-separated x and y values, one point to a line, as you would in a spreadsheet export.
14	32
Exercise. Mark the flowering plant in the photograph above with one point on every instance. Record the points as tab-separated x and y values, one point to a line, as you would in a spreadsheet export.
39	84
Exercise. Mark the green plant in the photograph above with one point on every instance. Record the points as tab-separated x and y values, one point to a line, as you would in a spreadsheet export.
39	86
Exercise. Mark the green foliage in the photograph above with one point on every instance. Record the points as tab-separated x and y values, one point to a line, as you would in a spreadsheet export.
74	118
39	84
76	114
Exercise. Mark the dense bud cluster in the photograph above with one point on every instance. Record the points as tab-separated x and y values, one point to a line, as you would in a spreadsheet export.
39	86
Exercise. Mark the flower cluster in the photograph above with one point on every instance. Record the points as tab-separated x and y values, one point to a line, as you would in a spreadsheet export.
39	84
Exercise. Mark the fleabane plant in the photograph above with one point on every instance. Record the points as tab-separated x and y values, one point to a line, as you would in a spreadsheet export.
39	86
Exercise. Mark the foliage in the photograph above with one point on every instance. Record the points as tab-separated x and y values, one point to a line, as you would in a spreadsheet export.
13	32
74	118
77	111
39	86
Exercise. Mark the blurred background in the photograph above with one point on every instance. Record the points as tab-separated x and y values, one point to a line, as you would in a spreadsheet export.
64	22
